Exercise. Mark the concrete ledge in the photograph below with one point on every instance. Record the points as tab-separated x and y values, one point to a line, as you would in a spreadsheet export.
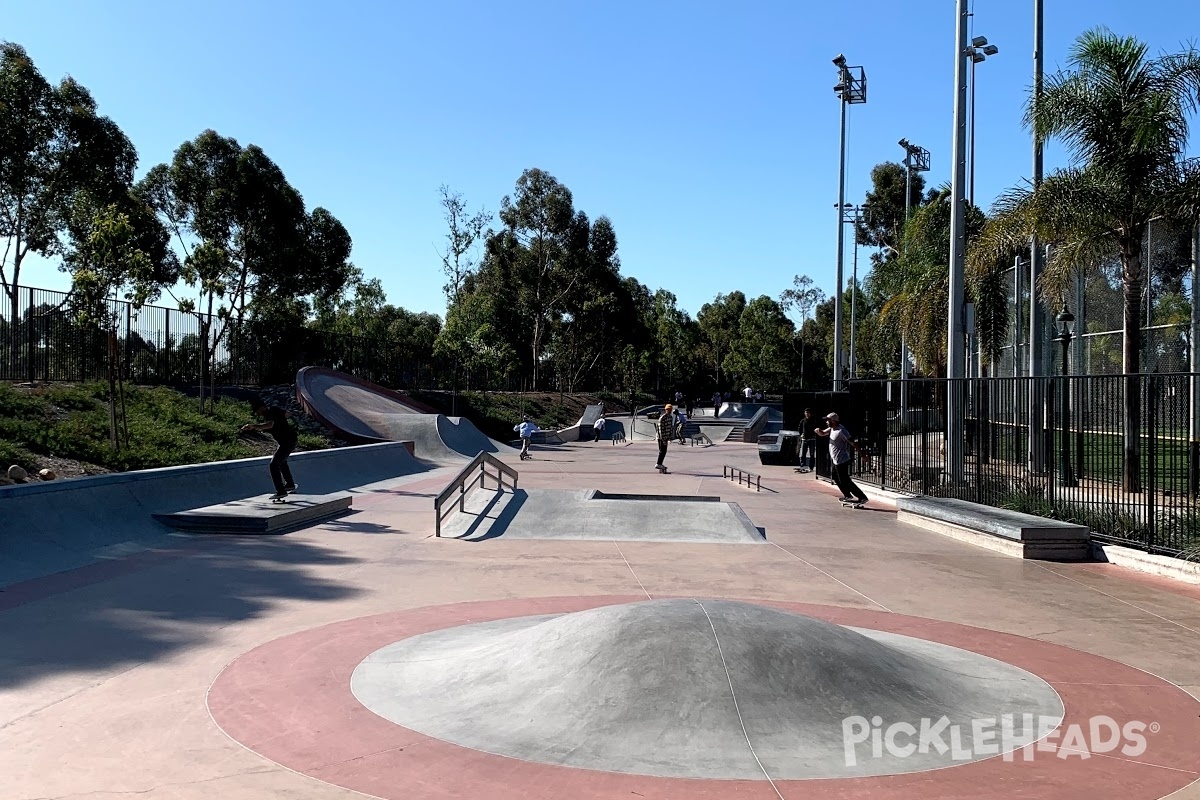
1165	566
1000	530
258	515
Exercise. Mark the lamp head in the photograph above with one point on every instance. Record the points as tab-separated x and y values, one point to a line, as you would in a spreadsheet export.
839	60
1066	322
979	41
977	56
991	50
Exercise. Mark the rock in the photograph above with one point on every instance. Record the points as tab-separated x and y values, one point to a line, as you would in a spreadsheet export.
17	473
47	474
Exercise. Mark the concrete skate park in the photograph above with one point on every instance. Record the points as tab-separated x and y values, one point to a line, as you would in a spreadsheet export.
434	618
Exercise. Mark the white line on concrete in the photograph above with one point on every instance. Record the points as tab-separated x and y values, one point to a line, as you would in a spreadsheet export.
733	694
635	576
827	575
1146	611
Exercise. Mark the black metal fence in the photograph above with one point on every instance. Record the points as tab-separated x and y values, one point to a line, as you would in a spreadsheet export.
1056	447
42	340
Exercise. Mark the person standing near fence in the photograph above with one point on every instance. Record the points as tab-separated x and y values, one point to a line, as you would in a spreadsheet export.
276	423
841	453
808	441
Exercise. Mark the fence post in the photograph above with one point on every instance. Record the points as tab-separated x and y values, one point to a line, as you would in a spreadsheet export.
1151	488
166	366
28	335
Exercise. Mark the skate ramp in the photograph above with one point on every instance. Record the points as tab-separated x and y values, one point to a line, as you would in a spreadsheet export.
685	688
360	411
440	439
56	526
355	410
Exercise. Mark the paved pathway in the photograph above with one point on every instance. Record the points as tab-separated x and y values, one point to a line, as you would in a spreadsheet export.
105	671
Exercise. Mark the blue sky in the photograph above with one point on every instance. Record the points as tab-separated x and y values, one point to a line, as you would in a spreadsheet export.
707	132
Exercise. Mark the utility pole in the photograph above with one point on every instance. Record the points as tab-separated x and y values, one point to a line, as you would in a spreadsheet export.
955	345
916	159
1037	321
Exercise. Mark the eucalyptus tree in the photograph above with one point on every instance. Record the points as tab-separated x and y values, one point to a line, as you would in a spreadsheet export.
1124	117
53	145
245	238
719	321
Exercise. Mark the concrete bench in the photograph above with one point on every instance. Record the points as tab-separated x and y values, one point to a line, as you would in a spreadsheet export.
1009	532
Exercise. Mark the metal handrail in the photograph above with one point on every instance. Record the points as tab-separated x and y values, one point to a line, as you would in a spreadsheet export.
728	471
463	485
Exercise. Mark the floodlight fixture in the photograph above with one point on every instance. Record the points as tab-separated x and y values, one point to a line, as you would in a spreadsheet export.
979	41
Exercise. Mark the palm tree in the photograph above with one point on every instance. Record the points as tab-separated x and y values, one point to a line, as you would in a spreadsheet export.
1124	119
917	283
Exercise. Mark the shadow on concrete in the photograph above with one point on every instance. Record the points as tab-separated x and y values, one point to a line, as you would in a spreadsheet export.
485	526
117	614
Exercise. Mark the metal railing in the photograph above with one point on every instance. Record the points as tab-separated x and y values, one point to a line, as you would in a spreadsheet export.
730	472
465	480
1058	447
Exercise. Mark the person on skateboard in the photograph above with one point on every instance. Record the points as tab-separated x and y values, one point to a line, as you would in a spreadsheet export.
276	423
841	445
666	429
526	430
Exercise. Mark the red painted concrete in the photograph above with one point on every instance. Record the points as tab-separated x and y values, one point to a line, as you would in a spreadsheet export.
289	700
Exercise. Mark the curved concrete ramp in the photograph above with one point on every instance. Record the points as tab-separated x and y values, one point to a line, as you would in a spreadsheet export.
356	410
688	688
442	439
360	411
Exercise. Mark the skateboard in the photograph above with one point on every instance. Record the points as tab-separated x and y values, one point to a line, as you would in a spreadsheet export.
852	504
663	470
282	498
526	457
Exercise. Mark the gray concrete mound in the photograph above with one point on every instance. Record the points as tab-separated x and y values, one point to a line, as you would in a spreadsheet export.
708	689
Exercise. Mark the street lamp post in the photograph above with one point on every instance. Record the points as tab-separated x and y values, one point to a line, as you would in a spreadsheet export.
1065	324
851	215
851	89
916	159
980	50
955	345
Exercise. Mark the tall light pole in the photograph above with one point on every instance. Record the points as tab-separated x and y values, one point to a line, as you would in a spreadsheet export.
851	88
1037	322
955	346
851	214
916	159
980	50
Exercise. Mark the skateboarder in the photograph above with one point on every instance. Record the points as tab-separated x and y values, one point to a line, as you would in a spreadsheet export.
526	430
840	446
808	441
276	423
666	429
681	423
598	427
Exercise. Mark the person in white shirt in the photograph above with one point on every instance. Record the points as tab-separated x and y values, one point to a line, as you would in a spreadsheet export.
748	392
526	430
682	416
598	427
841	452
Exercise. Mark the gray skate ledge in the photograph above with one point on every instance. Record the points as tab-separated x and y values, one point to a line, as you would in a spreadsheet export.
1009	532
258	514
